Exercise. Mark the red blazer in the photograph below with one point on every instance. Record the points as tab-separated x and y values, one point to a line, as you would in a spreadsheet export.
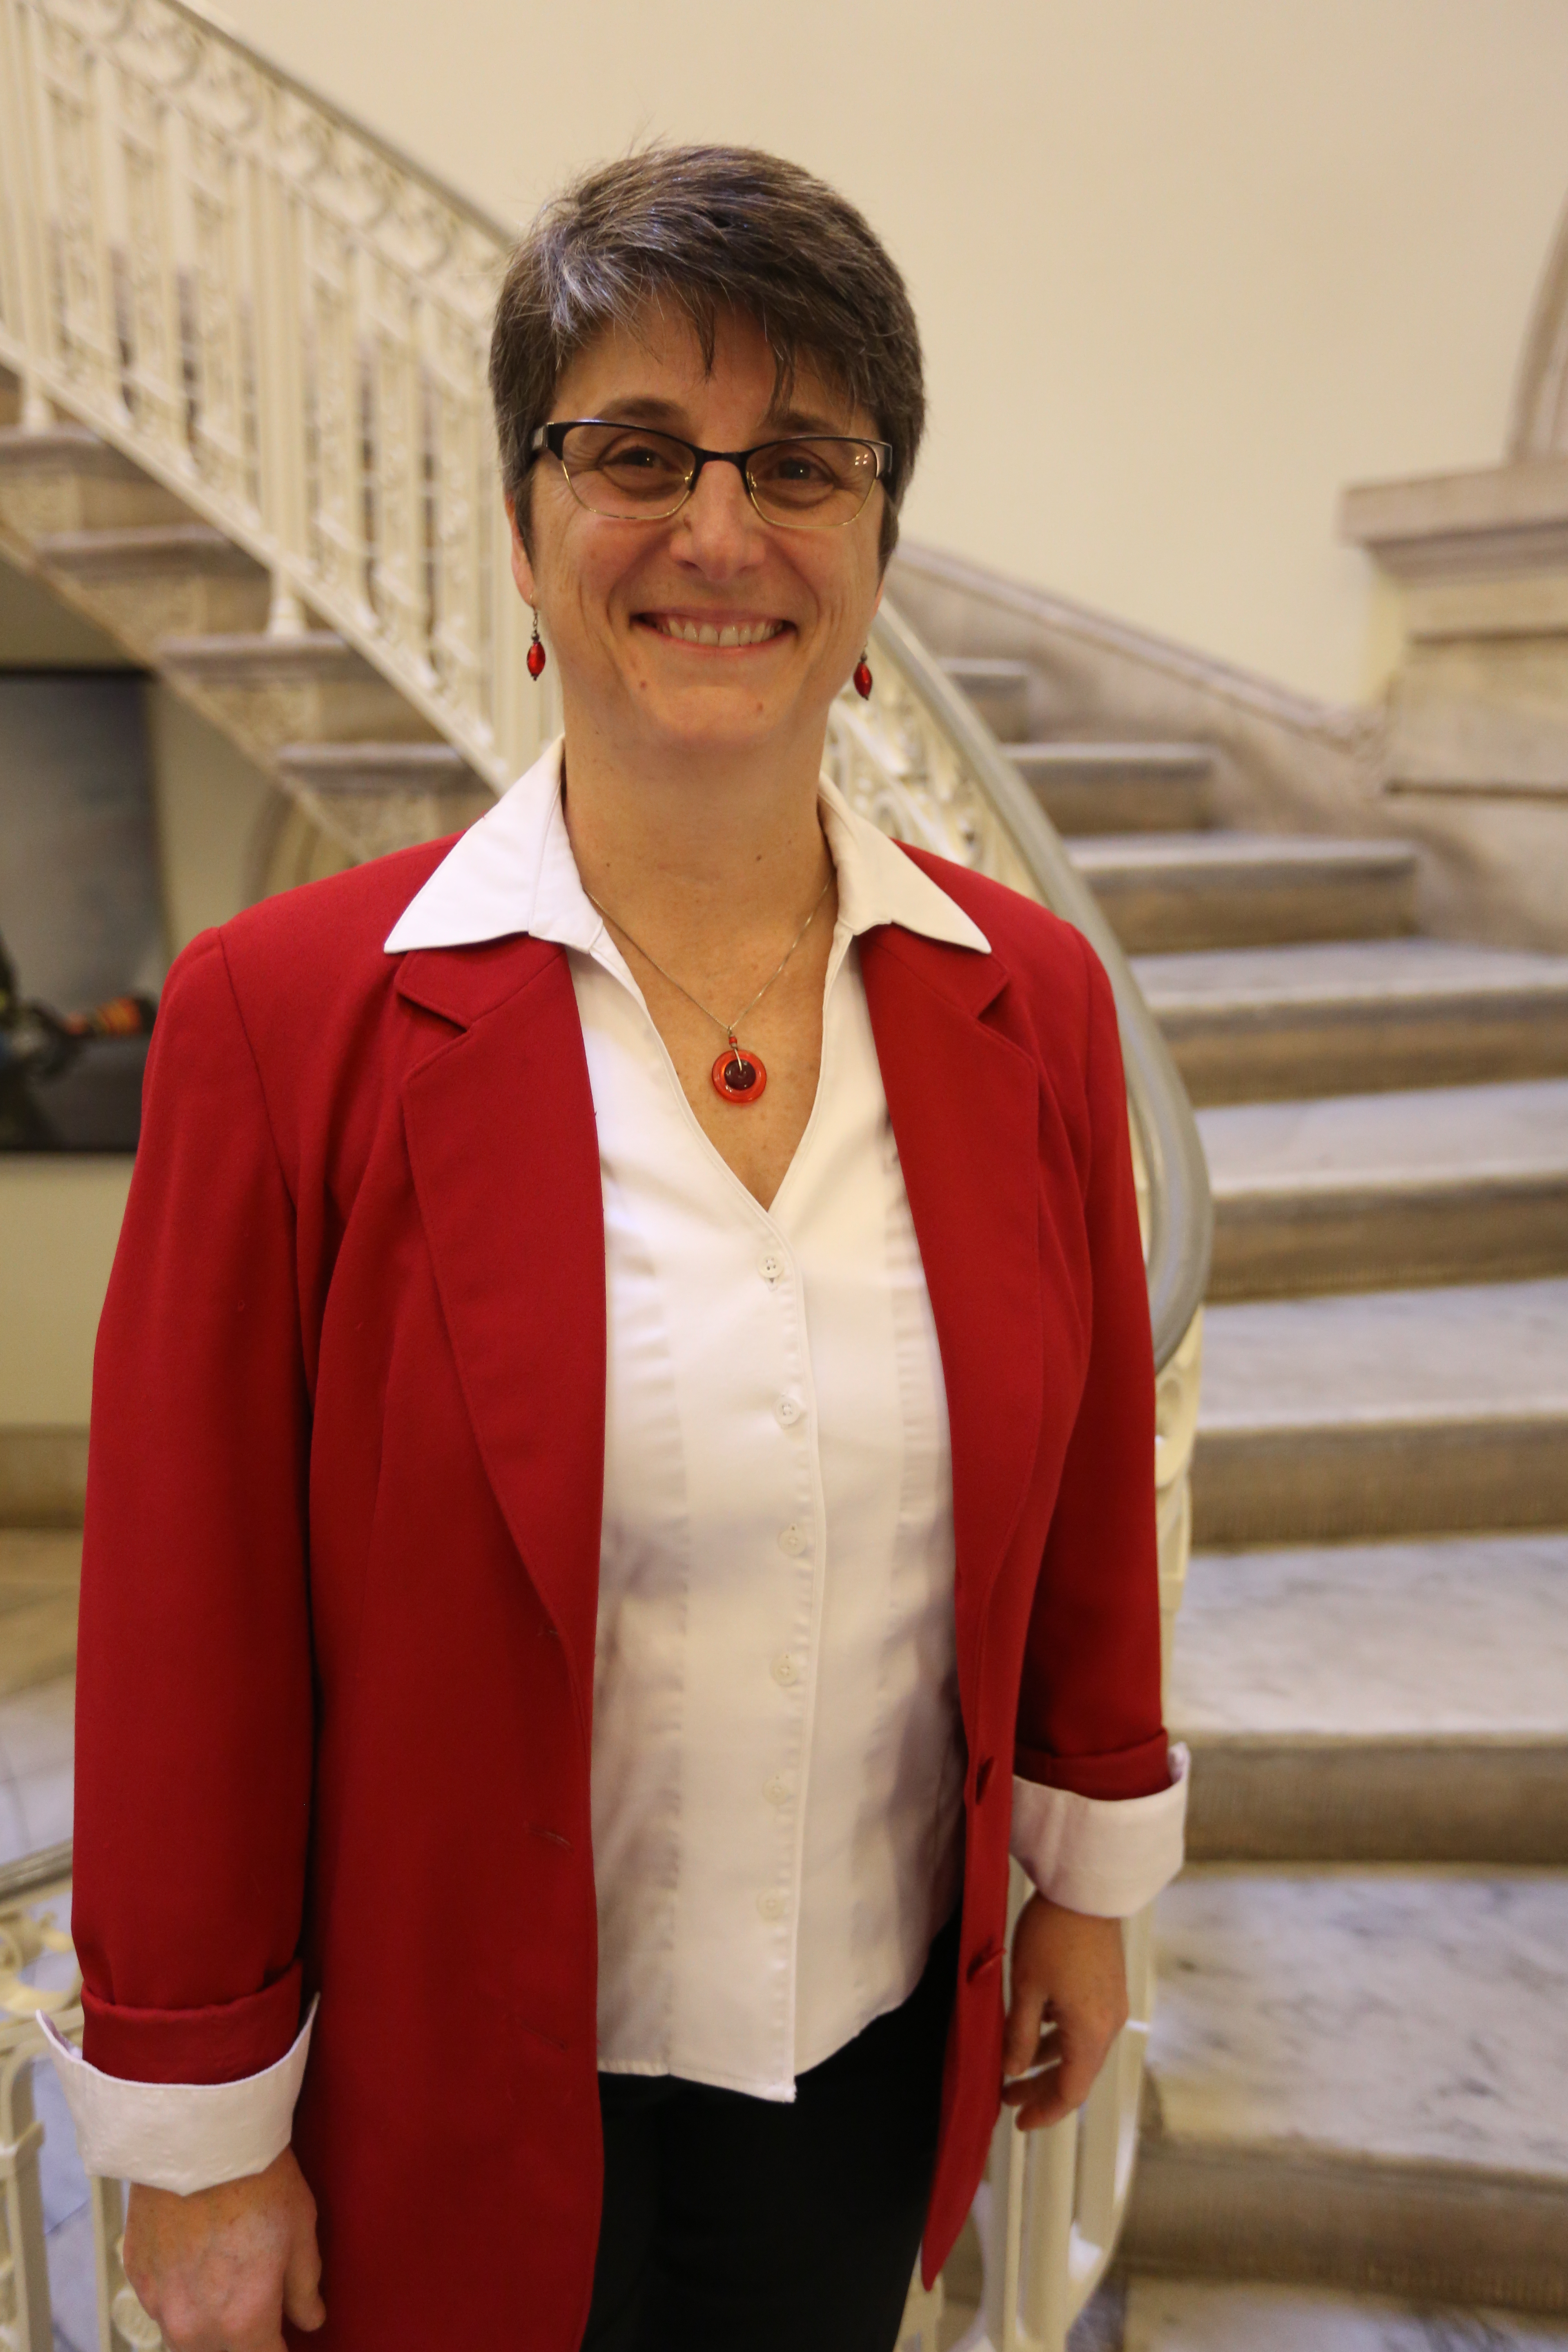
343	1536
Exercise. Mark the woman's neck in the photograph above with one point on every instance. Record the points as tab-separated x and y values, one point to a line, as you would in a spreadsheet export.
701	851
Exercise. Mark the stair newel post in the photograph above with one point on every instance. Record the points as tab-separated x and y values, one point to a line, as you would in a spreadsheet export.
122	2324
22	212
281	392
1046	2303
72	190
26	2319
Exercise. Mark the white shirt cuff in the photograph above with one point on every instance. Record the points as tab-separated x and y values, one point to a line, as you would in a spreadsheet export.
1108	1857
180	2135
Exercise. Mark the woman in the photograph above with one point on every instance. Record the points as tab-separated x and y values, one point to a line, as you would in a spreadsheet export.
624	1397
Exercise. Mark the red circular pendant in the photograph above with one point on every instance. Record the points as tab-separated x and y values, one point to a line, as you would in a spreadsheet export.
738	1074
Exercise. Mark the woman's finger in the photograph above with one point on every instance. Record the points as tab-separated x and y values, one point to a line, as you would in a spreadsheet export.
1026	2027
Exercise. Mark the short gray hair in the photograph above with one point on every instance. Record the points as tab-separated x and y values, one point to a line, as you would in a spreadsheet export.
715	230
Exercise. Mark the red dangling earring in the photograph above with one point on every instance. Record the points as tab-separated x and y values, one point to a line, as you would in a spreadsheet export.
863	678
537	656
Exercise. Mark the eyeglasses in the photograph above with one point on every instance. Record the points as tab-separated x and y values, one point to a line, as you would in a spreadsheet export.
817	482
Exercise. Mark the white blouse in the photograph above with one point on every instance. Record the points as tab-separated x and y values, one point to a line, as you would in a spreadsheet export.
777	1766
777	1753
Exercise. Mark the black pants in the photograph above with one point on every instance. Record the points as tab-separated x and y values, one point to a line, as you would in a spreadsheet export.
734	2224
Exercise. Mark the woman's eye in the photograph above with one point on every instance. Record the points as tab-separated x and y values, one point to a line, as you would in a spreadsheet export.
796	467
640	457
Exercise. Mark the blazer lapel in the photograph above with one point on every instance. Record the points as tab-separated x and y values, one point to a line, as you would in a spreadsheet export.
501	1137
964	1104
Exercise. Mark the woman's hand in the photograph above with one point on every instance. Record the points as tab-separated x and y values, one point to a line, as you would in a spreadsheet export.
219	2269
1068	2004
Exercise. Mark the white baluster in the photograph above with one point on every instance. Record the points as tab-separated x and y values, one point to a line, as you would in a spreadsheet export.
25	2322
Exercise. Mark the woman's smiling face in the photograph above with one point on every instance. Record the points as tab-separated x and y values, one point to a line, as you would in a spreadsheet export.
711	630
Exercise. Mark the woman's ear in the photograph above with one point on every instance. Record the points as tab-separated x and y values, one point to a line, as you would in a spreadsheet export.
522	564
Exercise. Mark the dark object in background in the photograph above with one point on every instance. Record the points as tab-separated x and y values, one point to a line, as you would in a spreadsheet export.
80	909
71	1082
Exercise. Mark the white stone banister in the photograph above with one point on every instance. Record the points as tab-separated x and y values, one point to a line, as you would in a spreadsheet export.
280	319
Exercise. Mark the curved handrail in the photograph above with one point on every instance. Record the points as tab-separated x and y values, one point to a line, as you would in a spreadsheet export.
1181	1213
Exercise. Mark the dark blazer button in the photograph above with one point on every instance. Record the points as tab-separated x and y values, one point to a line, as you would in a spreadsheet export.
988	1957
982	1777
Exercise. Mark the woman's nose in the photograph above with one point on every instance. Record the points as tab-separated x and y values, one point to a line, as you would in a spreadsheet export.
719	529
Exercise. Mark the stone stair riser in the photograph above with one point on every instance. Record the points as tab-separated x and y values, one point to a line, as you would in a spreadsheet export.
70	482
1129	804
1285	1243
143	609
1435	1477
1444	2232
293	697
1001	691
1369	1801
1171	916
1276	1054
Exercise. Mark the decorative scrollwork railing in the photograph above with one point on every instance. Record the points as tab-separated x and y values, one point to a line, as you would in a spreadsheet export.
285	323
34	1895
279	319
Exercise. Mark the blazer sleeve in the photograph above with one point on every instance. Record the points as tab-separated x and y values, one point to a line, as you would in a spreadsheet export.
1099	1796
194	1698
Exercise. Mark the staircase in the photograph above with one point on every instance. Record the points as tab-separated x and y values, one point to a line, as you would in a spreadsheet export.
1357	2100
366	768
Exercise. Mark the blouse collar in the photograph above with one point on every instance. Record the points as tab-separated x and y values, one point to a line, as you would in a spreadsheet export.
514	871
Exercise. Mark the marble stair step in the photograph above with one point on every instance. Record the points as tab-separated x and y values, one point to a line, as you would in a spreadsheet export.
1359	2079
1364	1191
433	770
999	689
152	581
1399	1702
136	551
1384	1414
375	797
1119	787
1250	1024
1178	2314
65	478
273	691
1166	893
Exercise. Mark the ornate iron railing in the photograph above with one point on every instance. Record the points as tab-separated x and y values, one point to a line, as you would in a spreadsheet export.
285	323
279	319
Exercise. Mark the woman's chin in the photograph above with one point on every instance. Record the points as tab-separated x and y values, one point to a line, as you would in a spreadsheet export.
717	714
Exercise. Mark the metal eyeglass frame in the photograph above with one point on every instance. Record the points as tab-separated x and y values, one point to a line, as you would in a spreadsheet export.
552	437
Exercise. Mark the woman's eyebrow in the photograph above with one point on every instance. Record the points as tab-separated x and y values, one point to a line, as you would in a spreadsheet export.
643	408
647	409
802	420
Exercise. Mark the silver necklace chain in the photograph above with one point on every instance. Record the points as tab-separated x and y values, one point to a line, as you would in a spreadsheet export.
729	1027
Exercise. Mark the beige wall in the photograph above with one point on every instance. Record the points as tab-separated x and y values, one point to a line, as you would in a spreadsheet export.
1185	266
60	1220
